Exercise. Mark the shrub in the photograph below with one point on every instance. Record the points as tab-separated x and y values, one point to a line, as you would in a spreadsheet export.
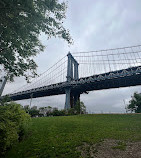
72	111
57	112
13	120
33	112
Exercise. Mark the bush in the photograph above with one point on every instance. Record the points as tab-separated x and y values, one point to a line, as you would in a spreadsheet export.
33	112
72	111
57	112
13	120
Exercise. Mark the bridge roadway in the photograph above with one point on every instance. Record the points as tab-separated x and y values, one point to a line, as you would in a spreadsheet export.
115	79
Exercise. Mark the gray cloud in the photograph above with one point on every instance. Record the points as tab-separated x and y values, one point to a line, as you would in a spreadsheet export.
93	25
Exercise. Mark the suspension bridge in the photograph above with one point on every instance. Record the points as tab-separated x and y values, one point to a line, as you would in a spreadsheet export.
81	72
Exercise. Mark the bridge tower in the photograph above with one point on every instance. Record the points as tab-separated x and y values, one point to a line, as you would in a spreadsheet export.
72	74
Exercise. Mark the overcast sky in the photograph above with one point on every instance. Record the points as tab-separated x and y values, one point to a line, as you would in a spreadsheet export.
93	25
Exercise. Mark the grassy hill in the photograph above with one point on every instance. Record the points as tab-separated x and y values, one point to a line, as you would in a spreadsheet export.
60	137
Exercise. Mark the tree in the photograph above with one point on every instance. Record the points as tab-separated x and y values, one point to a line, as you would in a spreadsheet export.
21	23
80	107
135	103
56	112
4	100
13	125
34	112
26	108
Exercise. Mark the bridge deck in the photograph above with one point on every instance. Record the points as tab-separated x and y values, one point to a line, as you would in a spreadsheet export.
121	78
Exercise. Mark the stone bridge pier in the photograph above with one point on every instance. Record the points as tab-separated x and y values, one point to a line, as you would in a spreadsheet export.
72	74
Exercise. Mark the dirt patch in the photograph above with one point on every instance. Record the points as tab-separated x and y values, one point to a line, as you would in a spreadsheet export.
111	149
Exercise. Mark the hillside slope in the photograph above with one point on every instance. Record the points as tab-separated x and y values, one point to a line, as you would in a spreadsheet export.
61	137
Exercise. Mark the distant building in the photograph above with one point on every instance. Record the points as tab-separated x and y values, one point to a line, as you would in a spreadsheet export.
46	110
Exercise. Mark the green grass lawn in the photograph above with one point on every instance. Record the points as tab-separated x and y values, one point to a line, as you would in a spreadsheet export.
51	137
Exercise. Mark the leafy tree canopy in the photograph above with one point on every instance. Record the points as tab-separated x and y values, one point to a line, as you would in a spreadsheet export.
21	23
13	125
80	107
135	103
